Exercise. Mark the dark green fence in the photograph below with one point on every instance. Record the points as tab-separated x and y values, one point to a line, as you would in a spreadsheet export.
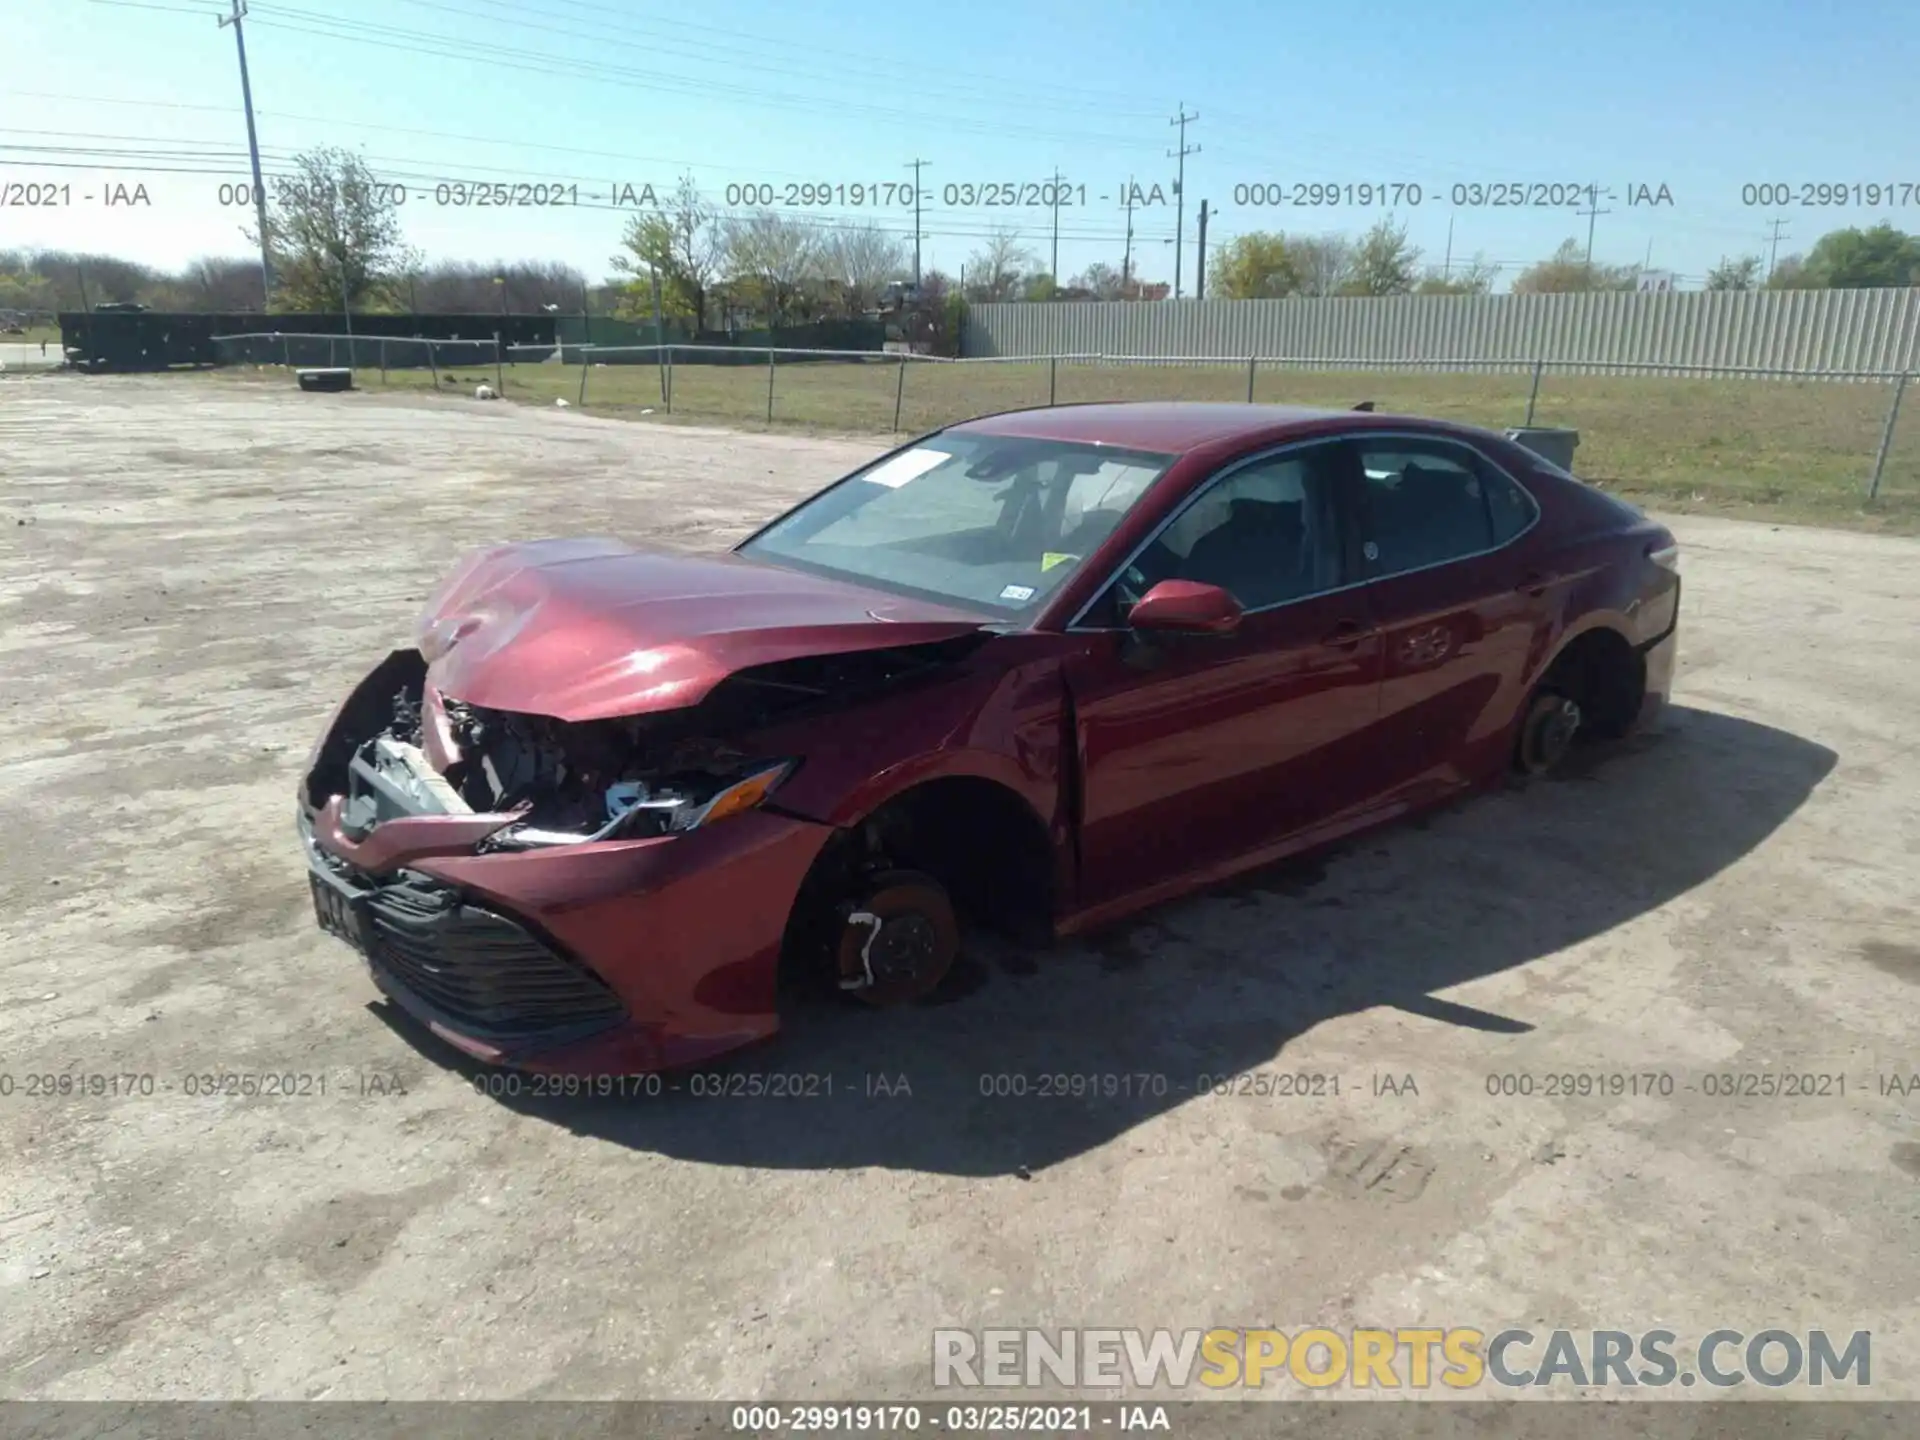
123	341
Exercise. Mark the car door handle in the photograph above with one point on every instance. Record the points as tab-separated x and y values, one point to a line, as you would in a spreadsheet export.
1535	582
1347	635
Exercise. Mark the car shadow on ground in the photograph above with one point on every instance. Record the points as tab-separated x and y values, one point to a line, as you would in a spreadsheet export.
1028	1058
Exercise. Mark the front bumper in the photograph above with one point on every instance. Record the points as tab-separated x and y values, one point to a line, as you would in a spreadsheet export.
597	959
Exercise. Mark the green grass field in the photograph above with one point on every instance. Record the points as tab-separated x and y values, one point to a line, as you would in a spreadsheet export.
35	334
1787	451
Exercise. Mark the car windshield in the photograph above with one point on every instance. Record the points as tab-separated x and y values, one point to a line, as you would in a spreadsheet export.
993	523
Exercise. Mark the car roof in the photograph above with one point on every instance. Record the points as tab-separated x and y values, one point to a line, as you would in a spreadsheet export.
1168	426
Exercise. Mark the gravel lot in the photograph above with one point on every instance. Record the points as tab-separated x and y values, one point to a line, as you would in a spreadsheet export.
193	574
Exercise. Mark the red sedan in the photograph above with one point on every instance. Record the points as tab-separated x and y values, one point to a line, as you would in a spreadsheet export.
1033	671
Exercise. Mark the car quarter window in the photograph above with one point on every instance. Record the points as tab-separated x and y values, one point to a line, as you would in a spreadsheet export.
1428	502
1513	508
1265	531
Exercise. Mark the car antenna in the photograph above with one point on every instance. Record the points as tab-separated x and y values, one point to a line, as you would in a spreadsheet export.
1366	405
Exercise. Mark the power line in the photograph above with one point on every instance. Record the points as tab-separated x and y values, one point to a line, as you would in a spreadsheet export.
706	52
517	58
992	87
1180	189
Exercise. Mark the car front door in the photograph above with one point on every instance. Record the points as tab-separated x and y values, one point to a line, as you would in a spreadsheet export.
1199	755
1459	609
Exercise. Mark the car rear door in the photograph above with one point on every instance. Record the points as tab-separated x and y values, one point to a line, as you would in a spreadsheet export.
1198	752
1459	606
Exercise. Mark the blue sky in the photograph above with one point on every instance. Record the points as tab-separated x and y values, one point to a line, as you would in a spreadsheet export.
1699	96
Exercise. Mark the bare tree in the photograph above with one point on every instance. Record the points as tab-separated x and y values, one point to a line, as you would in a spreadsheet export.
1324	263
457	287
863	259
222	283
1101	281
776	256
998	270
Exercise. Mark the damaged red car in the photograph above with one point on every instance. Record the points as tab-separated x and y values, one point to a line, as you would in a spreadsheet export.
1033	671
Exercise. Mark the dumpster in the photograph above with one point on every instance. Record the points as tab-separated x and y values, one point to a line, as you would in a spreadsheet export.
1556	447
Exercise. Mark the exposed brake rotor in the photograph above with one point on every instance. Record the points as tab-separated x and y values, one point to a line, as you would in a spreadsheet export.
898	939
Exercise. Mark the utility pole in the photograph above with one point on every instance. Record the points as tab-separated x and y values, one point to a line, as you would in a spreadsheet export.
1200	270
1180	188
914	165
253	149
1446	269
1054	264
1126	257
1773	252
1593	212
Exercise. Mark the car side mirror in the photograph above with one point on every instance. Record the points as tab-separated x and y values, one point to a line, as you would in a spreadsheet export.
1186	607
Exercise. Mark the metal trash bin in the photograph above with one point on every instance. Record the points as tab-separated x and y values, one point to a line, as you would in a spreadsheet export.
1556	447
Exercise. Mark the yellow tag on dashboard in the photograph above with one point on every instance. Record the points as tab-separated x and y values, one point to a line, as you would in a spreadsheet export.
1053	558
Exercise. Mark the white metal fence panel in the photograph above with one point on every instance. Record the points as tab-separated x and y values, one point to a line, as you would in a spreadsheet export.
1876	330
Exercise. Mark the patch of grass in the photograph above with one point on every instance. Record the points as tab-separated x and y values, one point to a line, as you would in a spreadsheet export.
34	336
1772	450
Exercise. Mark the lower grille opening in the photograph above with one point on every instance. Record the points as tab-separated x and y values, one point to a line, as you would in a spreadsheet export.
485	973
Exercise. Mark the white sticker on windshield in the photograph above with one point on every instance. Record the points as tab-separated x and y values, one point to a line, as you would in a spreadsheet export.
1017	592
902	468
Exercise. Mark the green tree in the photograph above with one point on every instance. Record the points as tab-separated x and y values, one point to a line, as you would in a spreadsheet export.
1040	288
1790	274
1473	278
1255	266
683	244
1735	273
1864	259
1567	270
1383	262
336	236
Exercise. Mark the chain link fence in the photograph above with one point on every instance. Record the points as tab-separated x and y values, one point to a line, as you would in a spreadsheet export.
1822	441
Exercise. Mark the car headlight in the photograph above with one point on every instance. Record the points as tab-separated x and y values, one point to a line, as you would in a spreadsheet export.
745	794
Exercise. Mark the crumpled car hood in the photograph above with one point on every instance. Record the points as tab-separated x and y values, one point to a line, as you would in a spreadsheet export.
594	629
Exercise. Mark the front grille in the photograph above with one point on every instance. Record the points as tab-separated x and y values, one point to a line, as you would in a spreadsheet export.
486	974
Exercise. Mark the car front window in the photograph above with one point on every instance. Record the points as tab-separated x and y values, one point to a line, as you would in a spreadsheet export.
985	522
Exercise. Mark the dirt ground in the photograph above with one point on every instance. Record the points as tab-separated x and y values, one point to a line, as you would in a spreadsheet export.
189	587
